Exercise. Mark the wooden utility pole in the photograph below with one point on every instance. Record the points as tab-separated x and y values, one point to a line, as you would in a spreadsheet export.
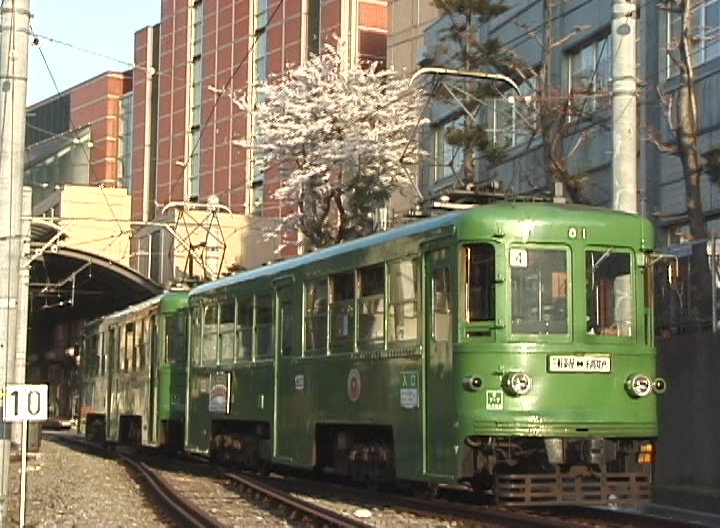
14	40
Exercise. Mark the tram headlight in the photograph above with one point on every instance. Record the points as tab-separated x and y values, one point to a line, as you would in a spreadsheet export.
472	383
659	385
638	385
518	383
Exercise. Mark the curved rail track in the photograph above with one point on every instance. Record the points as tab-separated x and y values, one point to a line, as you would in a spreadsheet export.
174	504
285	499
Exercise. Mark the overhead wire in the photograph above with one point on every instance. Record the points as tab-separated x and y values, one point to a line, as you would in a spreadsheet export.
73	130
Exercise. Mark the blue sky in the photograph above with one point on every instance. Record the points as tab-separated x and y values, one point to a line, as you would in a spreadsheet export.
96	36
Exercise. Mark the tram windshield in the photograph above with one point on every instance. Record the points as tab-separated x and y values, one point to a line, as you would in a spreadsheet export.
610	299
539	291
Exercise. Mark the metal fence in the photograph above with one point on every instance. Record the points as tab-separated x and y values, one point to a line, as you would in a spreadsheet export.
687	289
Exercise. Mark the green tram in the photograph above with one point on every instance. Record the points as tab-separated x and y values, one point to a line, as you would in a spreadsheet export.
506	348
134	374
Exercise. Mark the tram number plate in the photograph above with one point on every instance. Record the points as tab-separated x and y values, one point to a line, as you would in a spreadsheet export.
579	363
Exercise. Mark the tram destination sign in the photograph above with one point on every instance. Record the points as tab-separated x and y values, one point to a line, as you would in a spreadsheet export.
594	363
25	402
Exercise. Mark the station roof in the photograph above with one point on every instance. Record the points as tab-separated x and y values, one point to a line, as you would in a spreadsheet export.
68	284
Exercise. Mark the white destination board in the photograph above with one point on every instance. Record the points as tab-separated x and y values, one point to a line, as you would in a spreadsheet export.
25	402
595	363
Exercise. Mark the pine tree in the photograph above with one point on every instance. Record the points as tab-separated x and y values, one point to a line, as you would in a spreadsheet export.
464	45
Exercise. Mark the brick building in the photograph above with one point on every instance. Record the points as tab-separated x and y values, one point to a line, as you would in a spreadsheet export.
184	130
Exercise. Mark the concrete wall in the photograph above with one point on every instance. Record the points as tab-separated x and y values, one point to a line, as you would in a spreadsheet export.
688	465
95	219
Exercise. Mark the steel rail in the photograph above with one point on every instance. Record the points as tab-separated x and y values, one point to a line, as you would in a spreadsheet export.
173	503
316	513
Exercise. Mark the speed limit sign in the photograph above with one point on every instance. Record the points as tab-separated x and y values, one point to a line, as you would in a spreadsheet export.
25	402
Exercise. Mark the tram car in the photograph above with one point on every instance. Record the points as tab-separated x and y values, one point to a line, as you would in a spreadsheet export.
133	374
507	349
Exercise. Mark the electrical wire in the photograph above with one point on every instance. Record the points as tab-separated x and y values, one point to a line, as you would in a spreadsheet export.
84	148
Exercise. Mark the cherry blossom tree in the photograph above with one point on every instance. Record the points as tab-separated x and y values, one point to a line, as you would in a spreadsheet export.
342	139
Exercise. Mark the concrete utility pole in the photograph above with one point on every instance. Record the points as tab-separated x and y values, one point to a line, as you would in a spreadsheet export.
624	130
14	39
23	301
624	106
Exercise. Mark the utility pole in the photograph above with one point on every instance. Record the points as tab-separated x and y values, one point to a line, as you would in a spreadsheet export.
14	39
624	130
23	300
624	105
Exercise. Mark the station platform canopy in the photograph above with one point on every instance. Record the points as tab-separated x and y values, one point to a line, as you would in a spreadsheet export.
70	284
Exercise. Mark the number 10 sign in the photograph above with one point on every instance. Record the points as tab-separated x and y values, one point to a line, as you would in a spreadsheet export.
25	402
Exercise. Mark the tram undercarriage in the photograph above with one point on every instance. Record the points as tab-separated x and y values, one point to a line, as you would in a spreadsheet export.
538	471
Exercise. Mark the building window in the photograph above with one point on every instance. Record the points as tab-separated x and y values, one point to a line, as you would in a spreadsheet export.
511	120
195	98
261	39
124	148
256	188
705	33
197	28
448	158
313	27
194	177
257	196
195	90
589	70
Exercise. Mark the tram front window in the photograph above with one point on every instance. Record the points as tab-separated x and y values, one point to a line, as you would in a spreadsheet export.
610	300
539	291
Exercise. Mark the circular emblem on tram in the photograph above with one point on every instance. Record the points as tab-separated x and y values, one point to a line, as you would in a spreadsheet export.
354	385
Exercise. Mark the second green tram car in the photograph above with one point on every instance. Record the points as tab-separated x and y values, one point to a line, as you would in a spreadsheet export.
134	374
506	348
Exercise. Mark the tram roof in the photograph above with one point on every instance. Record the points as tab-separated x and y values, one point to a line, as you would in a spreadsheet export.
493	212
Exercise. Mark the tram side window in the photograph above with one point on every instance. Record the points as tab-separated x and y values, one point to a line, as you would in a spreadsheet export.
128	349
227	331
539	291
263	326
342	311
102	355
196	335
91	355
210	335
402	301
112	350
316	317
245	328
610	299
140	346
479	282
371	305
286	328
442	316
150	340
175	337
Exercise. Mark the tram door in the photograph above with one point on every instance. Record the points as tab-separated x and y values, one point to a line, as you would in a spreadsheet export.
151	336
112	420
290	421
439	403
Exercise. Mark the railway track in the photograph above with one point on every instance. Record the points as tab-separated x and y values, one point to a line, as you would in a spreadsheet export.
195	494
180	509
